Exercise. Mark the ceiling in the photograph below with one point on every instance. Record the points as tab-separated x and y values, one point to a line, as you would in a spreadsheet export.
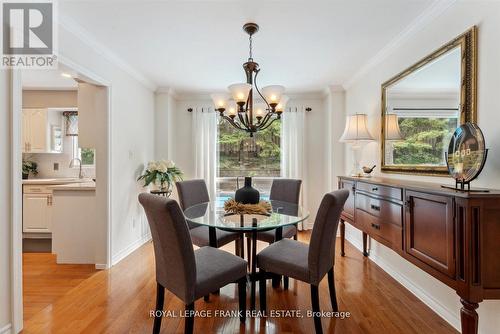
48	79
199	46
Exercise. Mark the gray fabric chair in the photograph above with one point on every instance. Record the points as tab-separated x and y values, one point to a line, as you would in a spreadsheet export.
284	190
307	263
194	192
186	273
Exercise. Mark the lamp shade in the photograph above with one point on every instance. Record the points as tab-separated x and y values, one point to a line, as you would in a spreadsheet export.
273	94
356	129
282	105
240	91
392	131
220	100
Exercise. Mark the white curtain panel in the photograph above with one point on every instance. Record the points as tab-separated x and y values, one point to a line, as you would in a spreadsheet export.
205	147
293	163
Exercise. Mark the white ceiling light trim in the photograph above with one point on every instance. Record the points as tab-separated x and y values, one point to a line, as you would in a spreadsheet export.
429	14
77	30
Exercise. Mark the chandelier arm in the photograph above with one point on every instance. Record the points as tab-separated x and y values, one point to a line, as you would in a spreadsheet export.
258	91
268	125
242	120
232	122
266	118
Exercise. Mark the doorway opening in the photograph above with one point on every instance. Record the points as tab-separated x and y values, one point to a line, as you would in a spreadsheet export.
61	217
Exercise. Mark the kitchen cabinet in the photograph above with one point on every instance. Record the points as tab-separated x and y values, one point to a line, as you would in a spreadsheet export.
37	209
39	128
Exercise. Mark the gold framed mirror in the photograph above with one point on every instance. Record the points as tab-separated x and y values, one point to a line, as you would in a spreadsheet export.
424	104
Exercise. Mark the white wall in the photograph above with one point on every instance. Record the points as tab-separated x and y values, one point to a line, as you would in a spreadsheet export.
5	201
132	141
364	97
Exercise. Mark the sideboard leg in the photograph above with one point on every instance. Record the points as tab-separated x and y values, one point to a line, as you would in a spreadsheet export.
342	238
365	242
469	317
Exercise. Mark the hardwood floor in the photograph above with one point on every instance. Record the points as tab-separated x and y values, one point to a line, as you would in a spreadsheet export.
44	281
119	301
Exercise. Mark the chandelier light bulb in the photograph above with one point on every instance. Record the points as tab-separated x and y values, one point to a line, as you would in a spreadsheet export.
273	94
220	101
240	92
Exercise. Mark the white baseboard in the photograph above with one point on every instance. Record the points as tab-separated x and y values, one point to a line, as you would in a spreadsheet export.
7	329
101	266
444	312
132	247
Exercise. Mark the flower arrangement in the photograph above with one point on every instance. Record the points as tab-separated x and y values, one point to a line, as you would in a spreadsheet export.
162	173
233	207
29	167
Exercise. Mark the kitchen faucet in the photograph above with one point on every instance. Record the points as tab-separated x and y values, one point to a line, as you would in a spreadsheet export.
72	165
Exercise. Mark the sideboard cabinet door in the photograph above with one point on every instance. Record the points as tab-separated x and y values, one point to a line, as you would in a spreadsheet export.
429	230
348	211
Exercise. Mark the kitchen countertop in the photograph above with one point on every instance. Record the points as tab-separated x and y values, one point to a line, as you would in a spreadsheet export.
56	181
80	186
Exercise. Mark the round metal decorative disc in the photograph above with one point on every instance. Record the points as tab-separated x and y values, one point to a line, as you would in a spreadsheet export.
466	153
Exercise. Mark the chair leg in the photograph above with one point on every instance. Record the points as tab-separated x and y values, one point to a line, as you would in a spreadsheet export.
160	297
262	290
189	320
333	294
285	282
242	296
249	252
242	246
315	307
206	298
237	247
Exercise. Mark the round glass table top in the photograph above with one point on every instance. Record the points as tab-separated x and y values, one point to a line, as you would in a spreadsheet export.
211	214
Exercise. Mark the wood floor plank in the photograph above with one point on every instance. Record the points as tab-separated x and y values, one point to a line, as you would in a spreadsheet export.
119	300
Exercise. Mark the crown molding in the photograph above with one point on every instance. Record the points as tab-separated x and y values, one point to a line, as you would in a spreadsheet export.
427	16
70	25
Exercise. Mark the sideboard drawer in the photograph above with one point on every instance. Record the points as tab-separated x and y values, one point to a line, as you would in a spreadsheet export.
387	211
375	189
388	234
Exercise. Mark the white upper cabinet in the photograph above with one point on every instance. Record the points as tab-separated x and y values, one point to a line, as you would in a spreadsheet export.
41	131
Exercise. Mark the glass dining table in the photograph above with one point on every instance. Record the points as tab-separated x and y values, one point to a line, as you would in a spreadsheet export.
212	215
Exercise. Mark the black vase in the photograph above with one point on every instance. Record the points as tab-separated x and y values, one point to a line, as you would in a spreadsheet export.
247	194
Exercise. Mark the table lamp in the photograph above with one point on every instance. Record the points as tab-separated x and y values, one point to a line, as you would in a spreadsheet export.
356	133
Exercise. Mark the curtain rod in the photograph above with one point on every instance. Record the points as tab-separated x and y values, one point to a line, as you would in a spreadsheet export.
307	109
425	109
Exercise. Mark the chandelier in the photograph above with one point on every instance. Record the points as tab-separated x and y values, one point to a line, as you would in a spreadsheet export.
245	112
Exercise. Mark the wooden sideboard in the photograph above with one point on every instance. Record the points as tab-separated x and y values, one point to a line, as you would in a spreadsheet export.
452	235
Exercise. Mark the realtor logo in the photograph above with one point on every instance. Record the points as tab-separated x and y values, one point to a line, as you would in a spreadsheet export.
28	35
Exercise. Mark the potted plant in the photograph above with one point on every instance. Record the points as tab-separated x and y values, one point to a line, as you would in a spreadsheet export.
162	173
29	167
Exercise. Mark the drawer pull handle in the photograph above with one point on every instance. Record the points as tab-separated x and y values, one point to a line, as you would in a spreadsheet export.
375	189
375	226
375	207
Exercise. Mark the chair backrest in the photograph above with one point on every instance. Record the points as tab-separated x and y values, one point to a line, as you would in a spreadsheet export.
285	190
192	192
322	243
174	254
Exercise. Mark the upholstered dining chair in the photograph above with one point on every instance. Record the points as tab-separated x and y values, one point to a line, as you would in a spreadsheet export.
189	274
192	192
307	263
283	190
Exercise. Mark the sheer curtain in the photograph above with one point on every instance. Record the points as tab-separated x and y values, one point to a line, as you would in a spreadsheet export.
293	163
205	147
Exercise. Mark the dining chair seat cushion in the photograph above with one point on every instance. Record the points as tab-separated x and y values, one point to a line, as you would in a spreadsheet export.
286	257
269	236
200	236
216	268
